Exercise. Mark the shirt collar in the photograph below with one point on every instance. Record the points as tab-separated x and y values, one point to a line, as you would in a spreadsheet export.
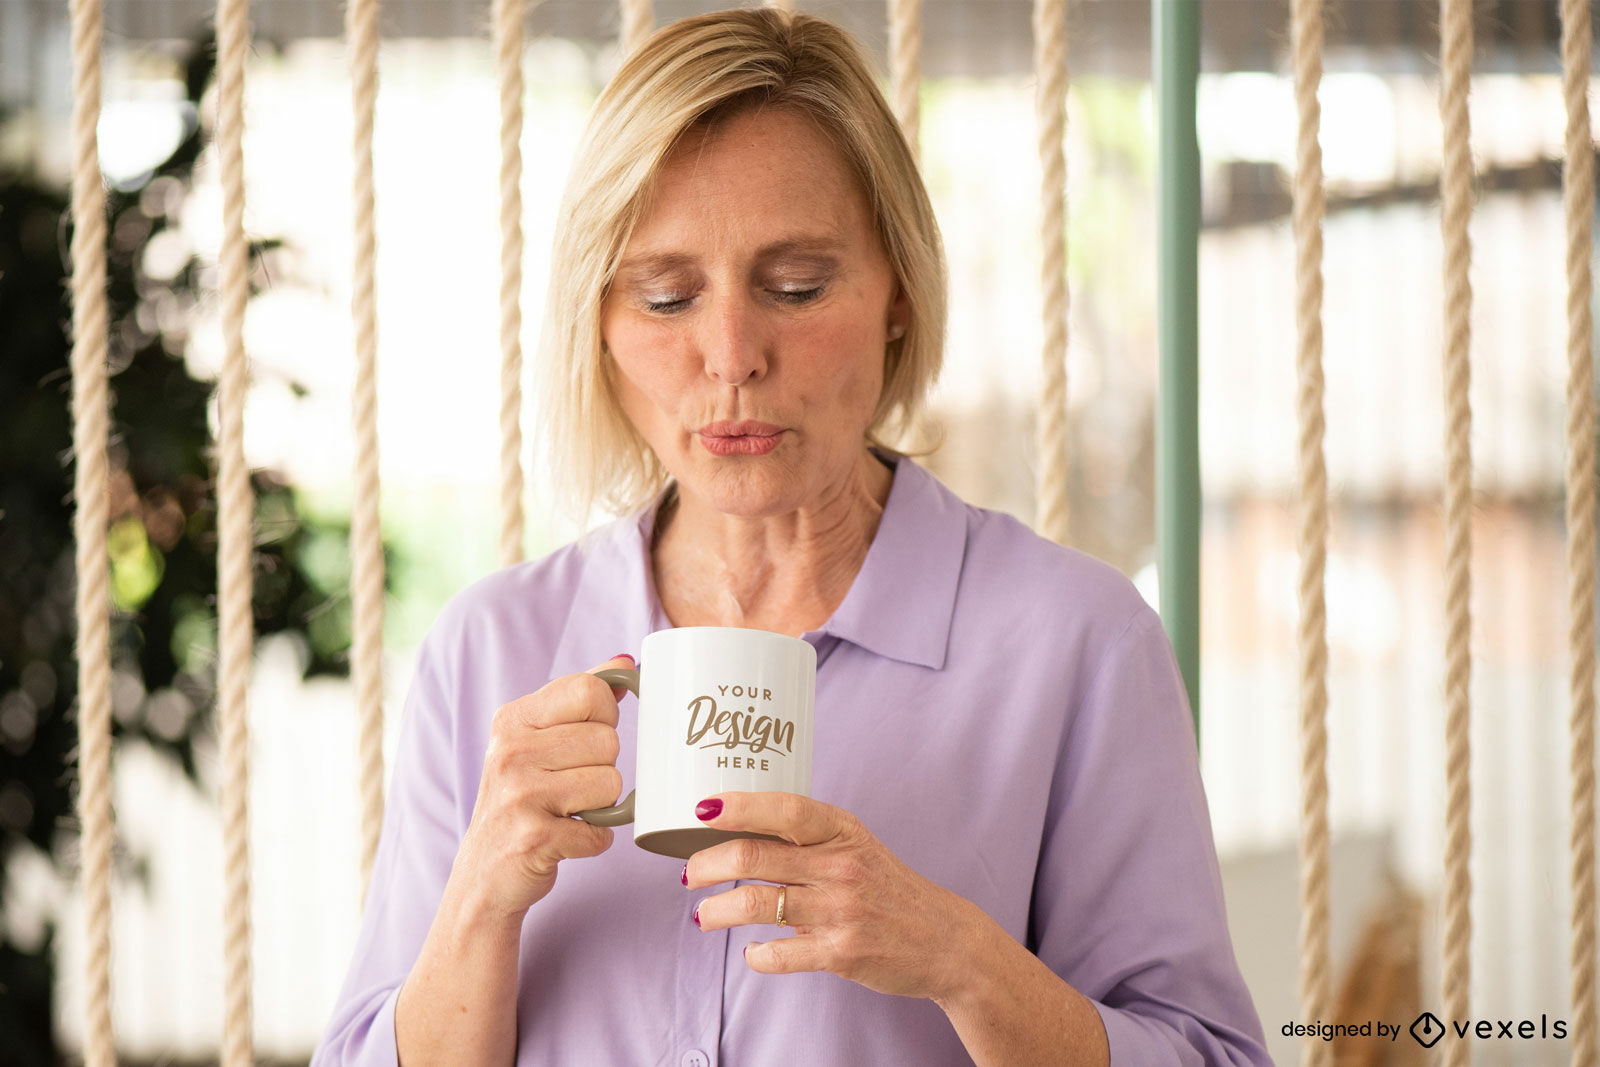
904	596
615	604
900	604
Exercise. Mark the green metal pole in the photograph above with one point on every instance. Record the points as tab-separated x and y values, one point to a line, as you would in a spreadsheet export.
1176	69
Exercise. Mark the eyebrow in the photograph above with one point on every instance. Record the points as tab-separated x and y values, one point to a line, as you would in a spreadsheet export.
652	263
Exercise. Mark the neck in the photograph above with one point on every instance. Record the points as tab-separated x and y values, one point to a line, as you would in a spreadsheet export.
785	573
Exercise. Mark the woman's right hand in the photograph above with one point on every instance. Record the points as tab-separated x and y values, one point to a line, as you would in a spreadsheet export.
551	753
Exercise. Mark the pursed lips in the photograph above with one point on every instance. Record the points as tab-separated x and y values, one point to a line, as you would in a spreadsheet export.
745	437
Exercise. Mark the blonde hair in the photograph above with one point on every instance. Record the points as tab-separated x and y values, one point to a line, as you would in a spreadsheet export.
694	74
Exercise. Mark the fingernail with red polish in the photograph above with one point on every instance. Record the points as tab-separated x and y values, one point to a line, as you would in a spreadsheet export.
708	809
685	874
696	915
624	655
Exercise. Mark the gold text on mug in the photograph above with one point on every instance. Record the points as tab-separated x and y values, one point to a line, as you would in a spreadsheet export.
735	728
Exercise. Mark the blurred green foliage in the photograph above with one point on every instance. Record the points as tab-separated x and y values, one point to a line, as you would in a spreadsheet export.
162	535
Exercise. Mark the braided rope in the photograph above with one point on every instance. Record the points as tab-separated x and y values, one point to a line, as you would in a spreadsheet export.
1315	969
905	68
235	505
1455	180
1050	103
638	20
91	419
366	537
1579	192
508	33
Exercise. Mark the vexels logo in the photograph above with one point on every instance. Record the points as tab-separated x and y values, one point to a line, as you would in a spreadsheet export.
1427	1029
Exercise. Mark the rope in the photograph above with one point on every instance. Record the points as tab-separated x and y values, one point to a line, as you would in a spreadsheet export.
1579	192
905	68
508	31
235	505
1050	103
1315	969
91	418
366	537
638	20
1455	179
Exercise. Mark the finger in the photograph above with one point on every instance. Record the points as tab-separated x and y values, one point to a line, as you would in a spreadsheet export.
621	659
791	816
575	744
569	698
745	857
574	839
576	789
786	955
753	905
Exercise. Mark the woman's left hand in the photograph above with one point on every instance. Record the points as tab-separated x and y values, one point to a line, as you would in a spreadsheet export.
857	911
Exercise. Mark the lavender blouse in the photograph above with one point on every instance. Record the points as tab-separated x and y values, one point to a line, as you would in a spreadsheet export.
1004	714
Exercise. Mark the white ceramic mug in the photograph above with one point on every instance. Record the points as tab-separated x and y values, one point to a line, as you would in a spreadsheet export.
720	708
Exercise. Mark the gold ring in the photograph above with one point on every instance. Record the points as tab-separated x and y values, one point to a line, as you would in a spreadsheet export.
783	896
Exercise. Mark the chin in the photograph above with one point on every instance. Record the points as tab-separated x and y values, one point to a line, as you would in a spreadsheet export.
749	488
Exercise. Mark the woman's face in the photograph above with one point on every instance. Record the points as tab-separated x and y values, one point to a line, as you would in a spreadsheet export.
749	316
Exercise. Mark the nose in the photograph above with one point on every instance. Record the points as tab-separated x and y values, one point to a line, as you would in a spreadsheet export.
733	342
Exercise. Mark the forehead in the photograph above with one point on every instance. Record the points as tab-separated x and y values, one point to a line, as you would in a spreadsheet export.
756	177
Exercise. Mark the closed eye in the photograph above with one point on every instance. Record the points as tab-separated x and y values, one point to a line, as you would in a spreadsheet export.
797	296
792	297
666	307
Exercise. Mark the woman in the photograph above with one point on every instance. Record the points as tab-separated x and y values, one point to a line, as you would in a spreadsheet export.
1007	858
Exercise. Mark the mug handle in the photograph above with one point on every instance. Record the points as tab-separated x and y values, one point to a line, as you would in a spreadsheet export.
617	814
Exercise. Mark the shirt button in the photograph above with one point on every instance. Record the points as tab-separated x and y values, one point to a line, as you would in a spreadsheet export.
695	1058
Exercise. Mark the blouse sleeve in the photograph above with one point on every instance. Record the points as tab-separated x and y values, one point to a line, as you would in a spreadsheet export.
415	853
1128	897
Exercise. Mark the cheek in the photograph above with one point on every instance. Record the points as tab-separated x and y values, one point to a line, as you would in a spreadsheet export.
645	399
853	355
635	374
639	352
843	372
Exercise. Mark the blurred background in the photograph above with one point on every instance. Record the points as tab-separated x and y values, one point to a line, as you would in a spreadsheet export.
436	163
